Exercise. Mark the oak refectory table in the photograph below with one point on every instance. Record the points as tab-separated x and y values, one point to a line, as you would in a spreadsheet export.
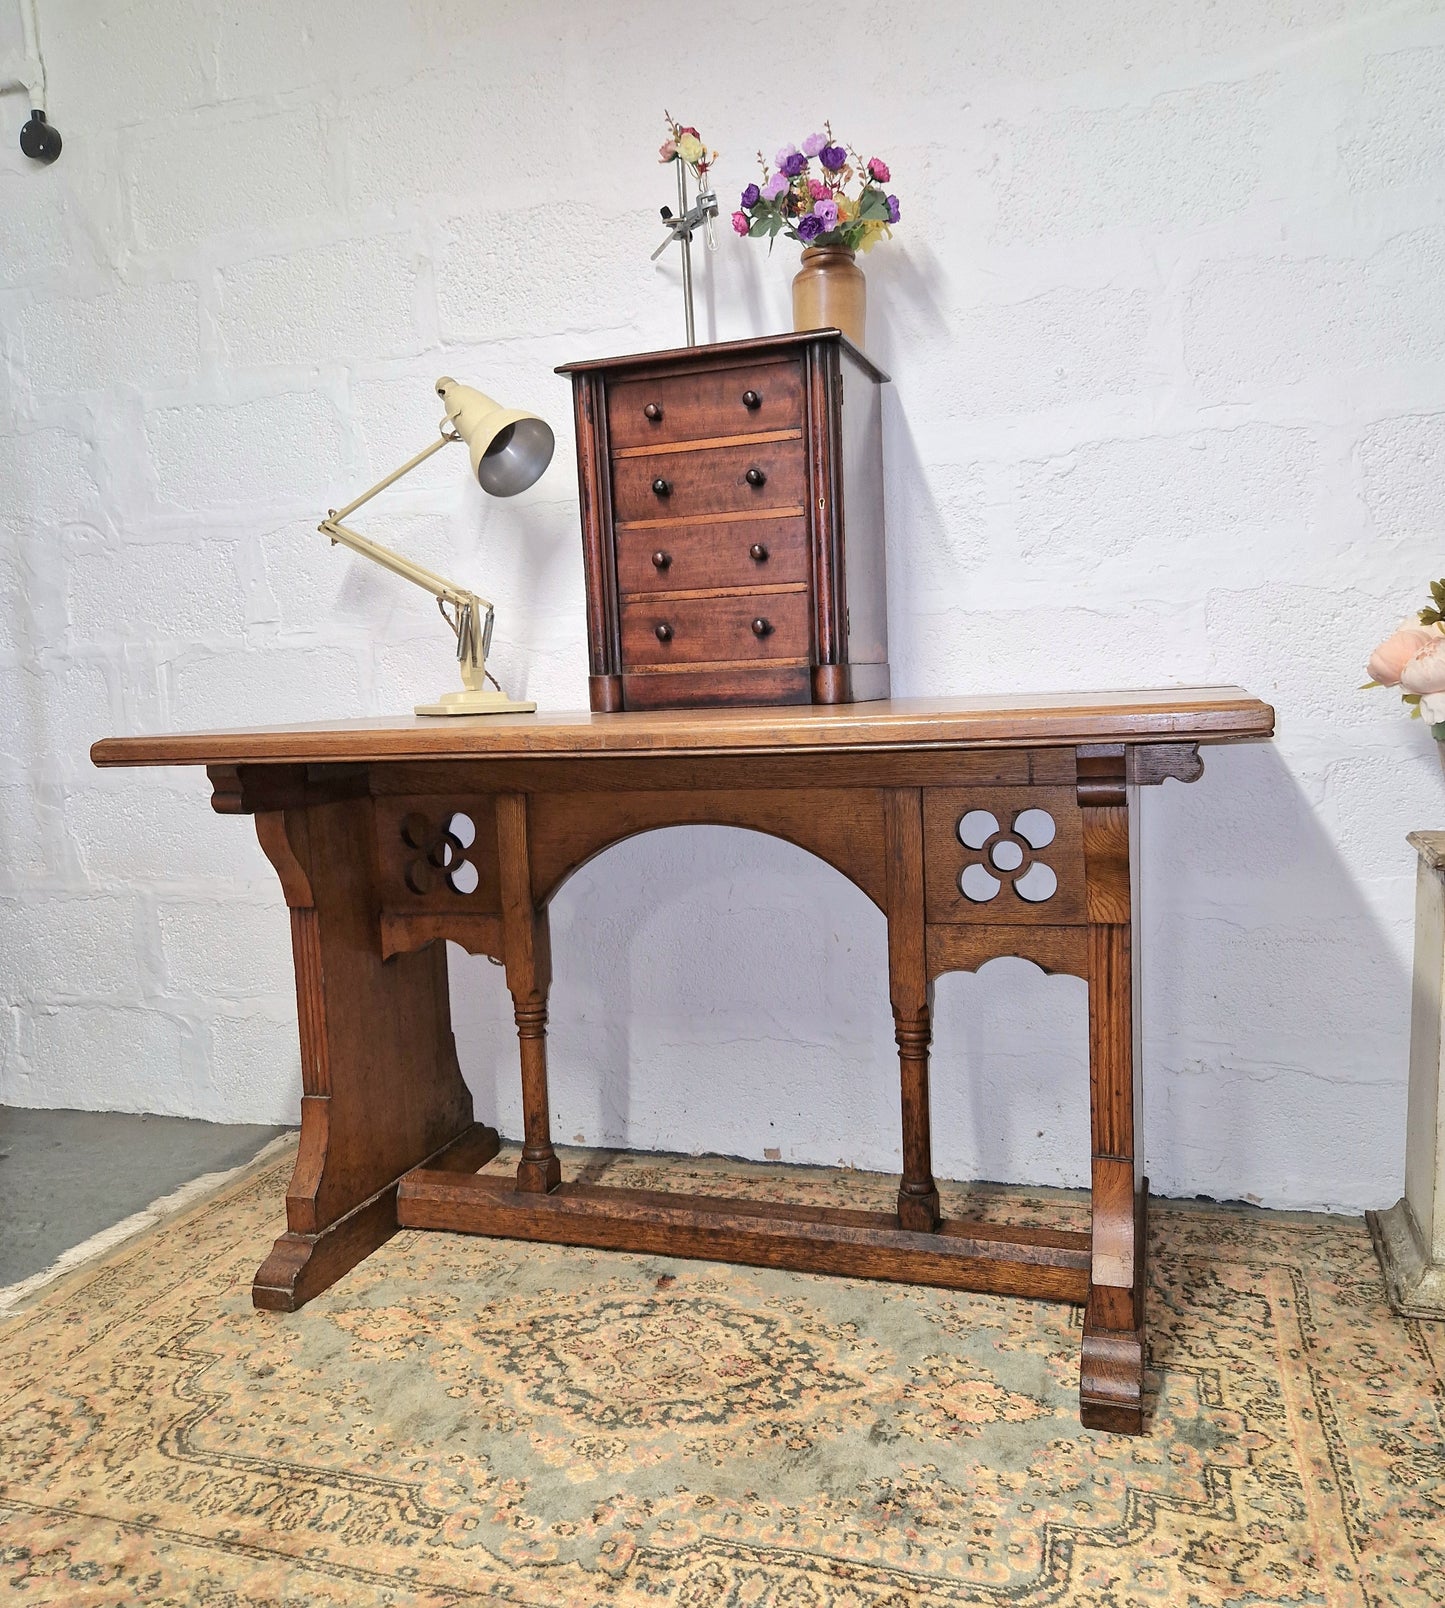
979	827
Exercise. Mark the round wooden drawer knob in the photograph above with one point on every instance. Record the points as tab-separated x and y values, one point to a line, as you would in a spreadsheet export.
758	553
752	401
755	476
761	628
652	411
664	633
662	487
661	560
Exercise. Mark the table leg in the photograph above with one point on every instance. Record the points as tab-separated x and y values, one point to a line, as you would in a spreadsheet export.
1111	1381
381	1089
526	938
911	996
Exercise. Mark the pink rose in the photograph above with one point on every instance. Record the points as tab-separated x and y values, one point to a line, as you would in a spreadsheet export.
740	223
818	190
878	169
1395	652
1425	671
667	151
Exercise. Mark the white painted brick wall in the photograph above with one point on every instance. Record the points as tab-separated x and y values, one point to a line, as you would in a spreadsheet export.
143	337
1165	325
308	306
251	176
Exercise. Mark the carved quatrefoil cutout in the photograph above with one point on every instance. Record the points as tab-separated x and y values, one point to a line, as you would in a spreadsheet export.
441	852
1007	855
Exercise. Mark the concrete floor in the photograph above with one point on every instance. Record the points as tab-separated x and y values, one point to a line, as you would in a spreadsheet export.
65	1175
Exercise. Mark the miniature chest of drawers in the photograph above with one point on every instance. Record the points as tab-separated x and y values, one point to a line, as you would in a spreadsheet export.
732	524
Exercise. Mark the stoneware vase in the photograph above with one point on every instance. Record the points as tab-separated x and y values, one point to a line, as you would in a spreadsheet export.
830	292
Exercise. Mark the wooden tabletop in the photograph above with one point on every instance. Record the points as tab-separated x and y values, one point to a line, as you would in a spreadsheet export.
1173	714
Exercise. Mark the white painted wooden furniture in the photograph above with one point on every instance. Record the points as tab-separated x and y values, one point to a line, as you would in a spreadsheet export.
1410	1237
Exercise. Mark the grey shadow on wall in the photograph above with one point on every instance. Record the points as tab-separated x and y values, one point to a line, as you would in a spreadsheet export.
902	309
1276	1000
1255	943
713	987
918	546
516	557
904	312
753	267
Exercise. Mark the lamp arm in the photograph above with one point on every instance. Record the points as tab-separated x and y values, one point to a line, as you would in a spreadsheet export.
395	475
474	642
417	574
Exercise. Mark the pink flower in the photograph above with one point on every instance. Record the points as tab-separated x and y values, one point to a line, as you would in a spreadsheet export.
667	151
1395	652
740	223
878	169
817	189
1425	671
1432	708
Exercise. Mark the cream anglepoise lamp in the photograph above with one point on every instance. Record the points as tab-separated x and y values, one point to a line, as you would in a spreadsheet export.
509	450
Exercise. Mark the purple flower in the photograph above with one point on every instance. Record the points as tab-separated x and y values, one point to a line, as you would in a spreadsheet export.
751	196
809	228
827	212
833	157
893	209
774	187
794	164
814	144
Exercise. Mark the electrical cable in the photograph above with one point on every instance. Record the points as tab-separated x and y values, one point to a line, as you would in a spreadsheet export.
30	22
39	139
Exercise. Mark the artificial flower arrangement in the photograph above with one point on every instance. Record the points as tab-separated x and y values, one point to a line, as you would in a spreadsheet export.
1413	659
815	209
685	144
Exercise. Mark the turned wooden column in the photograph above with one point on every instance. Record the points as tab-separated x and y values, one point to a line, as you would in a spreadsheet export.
527	942
910	993
1410	1237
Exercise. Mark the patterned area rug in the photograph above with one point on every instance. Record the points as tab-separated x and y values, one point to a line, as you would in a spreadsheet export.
463	1419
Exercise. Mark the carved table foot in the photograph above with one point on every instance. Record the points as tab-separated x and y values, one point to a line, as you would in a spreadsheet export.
303	1265
1111	1368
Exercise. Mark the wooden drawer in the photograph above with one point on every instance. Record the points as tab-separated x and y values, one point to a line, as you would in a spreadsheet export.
708	480
763	681
715	630
704	406
724	553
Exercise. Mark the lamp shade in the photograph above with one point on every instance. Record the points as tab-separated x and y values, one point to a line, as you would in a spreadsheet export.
509	448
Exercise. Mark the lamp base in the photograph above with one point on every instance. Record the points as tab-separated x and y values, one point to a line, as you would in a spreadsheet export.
475	701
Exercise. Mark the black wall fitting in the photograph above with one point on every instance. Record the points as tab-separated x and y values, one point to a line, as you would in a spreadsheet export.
39	139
